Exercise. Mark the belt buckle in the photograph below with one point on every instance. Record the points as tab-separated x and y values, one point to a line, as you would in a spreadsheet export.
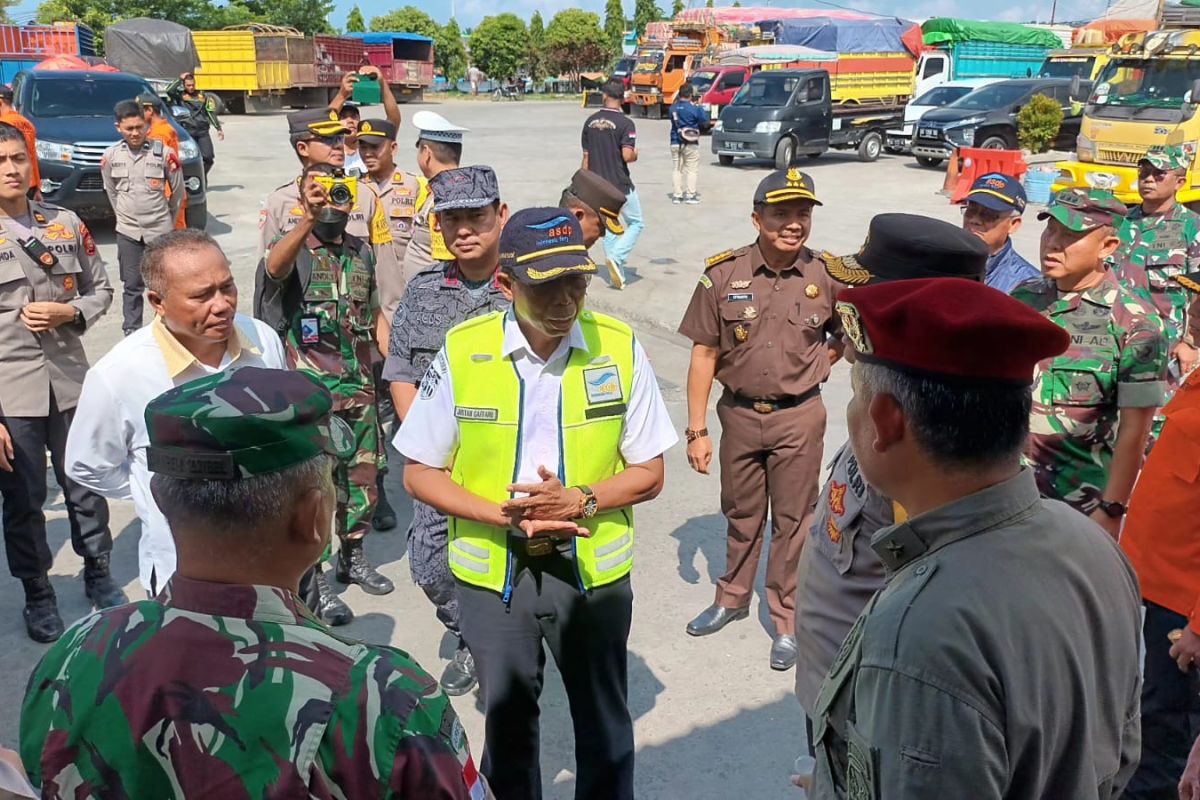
763	407
539	546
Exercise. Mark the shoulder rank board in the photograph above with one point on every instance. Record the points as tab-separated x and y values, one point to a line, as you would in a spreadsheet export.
719	258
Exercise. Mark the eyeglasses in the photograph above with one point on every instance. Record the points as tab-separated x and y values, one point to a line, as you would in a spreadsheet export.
332	140
1148	171
985	215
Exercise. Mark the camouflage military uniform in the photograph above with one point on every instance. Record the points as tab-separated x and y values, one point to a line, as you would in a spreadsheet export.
1117	359
282	210
1154	252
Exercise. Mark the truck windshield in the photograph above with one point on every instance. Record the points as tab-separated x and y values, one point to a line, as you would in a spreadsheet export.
766	90
702	81
624	66
997	95
71	97
1138	83
649	63
942	96
1068	67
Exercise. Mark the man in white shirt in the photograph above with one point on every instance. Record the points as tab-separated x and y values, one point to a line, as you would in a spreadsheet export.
197	332
536	431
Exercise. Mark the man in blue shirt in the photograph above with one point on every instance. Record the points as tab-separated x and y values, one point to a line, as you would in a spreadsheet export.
688	121
992	211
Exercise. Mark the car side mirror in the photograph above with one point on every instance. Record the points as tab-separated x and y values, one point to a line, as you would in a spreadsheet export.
1076	86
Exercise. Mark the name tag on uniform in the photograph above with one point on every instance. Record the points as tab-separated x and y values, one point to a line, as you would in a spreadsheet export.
477	414
603	384
743	297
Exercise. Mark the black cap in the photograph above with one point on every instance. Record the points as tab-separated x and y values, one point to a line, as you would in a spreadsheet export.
998	192
542	244
148	99
377	129
786	184
316	122
601	196
6	92
467	187
349	110
904	246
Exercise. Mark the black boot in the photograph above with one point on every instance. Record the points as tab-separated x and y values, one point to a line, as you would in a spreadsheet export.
99	585
459	675
353	567
42	621
330	608
385	516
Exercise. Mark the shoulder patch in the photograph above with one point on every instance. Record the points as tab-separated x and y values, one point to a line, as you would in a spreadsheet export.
719	258
706	282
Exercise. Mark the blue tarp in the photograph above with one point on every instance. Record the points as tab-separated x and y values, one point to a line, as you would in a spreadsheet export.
389	37
840	35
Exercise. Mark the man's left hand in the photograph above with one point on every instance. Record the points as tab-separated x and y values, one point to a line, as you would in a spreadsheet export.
42	317
1110	524
220	136
548	500
1186	651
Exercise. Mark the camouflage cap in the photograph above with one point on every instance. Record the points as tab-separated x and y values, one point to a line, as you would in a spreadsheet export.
1165	157
242	423
1085	209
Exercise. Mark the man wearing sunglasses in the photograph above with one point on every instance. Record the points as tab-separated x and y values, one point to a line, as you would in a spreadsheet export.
992	211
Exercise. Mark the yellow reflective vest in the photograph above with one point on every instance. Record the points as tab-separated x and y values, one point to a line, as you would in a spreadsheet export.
437	242
487	407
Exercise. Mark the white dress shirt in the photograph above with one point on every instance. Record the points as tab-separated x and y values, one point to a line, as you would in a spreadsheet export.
106	446
429	434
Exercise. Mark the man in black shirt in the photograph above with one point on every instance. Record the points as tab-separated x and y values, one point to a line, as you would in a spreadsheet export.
609	147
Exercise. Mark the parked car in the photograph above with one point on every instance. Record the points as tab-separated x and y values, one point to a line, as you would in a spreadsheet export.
716	86
987	118
73	114
900	140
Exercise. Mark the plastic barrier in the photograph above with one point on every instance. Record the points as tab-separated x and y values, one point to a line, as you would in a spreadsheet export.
976	161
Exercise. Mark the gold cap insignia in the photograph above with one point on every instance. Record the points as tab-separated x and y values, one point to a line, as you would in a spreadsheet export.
333	117
365	127
846	269
852	325
793	175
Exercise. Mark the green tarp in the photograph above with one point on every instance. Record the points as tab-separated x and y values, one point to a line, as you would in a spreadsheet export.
945	30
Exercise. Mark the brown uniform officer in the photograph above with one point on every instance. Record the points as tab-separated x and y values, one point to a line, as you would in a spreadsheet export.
596	203
762	321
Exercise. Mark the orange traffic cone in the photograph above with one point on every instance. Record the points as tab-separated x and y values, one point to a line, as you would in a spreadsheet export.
951	174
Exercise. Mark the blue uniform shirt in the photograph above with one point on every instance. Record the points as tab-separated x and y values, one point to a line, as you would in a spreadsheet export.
1006	270
686	114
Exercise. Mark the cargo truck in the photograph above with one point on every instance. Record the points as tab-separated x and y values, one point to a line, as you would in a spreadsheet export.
23	47
1148	94
963	49
659	74
405	59
1085	62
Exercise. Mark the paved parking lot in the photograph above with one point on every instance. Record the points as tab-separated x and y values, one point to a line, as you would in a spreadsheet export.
710	716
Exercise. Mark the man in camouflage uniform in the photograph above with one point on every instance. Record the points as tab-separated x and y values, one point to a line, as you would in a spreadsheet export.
467	202
1160	240
325	305
1092	406
225	685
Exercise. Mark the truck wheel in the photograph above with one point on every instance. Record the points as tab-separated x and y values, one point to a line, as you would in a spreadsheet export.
870	146
218	104
926	161
785	153
997	141
725	161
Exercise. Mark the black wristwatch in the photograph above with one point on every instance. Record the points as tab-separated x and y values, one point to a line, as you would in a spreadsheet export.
589	502
80	322
1113	508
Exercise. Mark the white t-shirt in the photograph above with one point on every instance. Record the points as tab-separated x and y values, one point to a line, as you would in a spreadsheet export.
429	434
355	166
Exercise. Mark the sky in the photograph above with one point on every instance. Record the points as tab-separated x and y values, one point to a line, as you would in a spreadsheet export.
469	12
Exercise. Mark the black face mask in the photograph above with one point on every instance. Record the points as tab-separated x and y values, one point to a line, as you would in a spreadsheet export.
331	224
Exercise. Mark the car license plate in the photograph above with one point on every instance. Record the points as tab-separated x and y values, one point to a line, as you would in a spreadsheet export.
929	133
735	145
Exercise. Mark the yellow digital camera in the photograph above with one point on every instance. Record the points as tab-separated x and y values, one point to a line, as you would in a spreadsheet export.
341	189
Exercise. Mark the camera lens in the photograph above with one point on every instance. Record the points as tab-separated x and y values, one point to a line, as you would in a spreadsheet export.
340	195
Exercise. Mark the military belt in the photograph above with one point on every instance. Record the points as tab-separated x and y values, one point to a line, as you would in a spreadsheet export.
768	406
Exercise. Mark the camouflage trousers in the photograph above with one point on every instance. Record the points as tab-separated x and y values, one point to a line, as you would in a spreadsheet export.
429	562
357	489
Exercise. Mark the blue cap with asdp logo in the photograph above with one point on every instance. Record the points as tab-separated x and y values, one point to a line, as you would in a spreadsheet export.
997	191
543	244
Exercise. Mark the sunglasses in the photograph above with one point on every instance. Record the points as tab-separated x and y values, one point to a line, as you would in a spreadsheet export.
332	140
1148	171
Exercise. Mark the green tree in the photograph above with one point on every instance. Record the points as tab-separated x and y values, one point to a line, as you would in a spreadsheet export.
645	11
575	42
614	24
708	4
355	22
408	19
500	45
449	51
737	4
537	47
676	9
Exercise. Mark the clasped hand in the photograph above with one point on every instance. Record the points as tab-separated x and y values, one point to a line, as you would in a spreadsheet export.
548	509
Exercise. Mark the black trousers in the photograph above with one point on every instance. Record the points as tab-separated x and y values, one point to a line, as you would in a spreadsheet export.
129	260
24	494
1170	711
207	154
586	635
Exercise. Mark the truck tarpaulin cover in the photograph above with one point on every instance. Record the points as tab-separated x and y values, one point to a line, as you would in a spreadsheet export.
65	63
152	48
1103	32
944	30
840	35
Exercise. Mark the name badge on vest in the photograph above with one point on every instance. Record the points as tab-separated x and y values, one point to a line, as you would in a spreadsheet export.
477	414
603	384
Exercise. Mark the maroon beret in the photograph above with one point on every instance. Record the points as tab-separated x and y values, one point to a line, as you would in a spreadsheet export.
948	328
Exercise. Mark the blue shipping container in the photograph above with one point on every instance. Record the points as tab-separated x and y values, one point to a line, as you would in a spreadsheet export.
9	67
996	60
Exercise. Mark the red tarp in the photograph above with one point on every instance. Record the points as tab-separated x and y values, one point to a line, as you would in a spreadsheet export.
73	63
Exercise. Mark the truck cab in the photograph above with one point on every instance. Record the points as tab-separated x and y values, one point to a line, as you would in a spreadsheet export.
73	114
657	78
716	86
1085	62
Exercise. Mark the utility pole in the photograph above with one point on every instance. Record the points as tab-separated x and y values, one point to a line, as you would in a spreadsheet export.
1053	10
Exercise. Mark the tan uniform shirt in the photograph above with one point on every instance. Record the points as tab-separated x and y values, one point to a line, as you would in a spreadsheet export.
398	198
427	246
34	364
282	210
145	188
771	328
1000	661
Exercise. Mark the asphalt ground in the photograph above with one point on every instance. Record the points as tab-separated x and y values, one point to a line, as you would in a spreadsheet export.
710	717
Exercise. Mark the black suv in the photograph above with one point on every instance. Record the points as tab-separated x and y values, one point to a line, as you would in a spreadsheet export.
987	117
73	114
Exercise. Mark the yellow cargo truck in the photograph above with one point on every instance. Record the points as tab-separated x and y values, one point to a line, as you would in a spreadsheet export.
1147	94
248	70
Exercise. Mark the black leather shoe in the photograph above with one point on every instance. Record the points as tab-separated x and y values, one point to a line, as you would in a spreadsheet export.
99	586
353	567
459	675
385	516
330	608
42	622
715	617
783	652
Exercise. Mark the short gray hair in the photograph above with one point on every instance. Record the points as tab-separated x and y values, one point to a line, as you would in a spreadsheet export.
154	258
238	505
966	424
